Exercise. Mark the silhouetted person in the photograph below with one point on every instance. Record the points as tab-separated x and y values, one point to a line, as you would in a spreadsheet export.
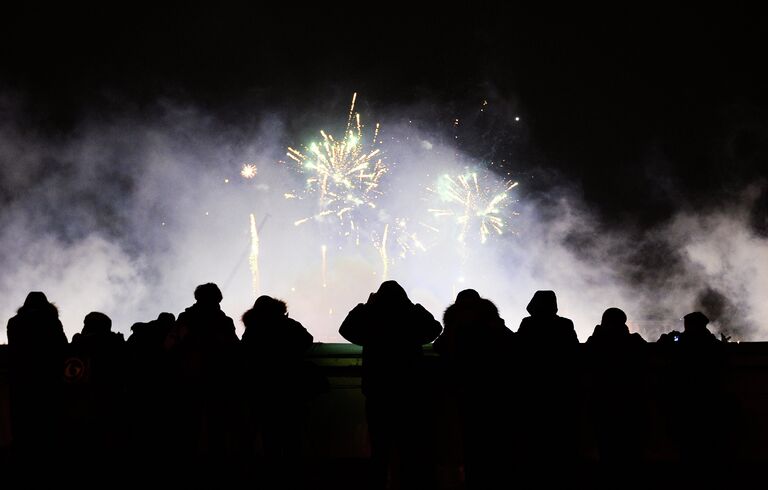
36	344
274	346
696	386
695	332
149	404
391	329
97	398
546	347
149	338
456	319
476	344
203	348
618	365
612	332
544	327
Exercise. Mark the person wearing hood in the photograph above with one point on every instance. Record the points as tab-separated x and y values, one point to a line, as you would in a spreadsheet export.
544	326
36	349
392	330
546	350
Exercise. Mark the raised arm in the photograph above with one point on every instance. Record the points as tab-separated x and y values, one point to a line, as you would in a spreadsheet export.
355	327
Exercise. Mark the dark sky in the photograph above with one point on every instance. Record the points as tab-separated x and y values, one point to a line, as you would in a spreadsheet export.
645	110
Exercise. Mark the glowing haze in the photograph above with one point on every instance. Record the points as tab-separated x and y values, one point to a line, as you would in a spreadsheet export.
127	215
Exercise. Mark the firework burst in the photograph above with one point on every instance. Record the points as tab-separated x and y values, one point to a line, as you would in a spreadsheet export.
474	203
249	171
343	174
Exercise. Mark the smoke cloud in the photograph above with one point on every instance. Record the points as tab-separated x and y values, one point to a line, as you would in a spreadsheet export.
127	214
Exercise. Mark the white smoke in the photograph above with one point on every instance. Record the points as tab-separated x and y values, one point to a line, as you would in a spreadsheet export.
127	215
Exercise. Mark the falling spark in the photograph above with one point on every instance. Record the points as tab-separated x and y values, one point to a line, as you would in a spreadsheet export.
324	253
249	171
343	174
253	259
473	204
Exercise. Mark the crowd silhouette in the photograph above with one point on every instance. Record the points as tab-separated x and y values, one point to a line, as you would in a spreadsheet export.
185	399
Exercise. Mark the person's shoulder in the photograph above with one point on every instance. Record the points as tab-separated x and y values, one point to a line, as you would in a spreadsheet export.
424	313
293	324
565	322
360	309
13	322
597	334
525	323
420	308
184	315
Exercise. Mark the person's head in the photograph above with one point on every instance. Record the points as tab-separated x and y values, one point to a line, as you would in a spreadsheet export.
208	294
543	303
613	317
695	321
36	301
390	292
166	318
487	310
467	296
96	323
267	306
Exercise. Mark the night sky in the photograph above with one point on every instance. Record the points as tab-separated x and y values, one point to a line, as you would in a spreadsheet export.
642	113
644	109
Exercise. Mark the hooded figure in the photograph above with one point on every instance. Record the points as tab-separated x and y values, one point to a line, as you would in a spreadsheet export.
546	355
35	328
391	330
36	345
544	327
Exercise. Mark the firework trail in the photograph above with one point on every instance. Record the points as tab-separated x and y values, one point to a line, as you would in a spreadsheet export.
473	204
324	271
253	258
382	248
343	174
